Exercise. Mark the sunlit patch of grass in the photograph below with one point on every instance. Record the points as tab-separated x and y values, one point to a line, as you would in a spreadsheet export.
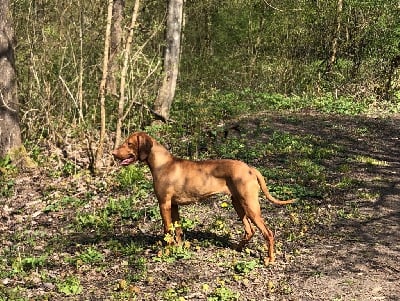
351	211
370	161
363	131
344	168
311	169
369	196
346	182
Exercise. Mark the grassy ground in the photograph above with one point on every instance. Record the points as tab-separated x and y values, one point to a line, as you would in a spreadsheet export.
66	235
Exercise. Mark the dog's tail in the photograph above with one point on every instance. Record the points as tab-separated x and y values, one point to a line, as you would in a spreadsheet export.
264	188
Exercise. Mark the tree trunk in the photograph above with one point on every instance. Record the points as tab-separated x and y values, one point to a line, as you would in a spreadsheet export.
166	92
124	71
335	40
115	45
394	65
10	134
102	92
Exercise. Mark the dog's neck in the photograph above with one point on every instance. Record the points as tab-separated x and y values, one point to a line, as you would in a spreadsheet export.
158	156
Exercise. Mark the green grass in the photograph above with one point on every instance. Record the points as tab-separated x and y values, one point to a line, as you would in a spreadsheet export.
7	173
223	294
220	105
370	161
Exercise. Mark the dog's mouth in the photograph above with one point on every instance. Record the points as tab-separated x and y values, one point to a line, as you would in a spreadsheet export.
128	161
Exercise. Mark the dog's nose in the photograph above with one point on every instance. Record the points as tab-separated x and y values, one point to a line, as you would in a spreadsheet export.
114	152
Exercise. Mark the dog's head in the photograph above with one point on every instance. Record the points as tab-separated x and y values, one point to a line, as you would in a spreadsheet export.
136	147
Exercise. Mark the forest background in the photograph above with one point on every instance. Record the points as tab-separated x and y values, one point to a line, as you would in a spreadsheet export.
244	49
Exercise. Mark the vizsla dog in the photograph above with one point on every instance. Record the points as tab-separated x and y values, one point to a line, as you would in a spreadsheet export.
179	182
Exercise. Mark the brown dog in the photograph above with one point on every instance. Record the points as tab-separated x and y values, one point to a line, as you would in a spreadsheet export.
179	182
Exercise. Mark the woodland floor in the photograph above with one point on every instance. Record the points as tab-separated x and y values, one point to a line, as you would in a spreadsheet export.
349	251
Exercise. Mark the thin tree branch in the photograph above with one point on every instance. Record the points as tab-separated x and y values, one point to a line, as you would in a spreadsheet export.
73	98
273	7
138	92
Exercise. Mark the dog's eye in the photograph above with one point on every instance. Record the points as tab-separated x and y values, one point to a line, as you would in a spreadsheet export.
130	144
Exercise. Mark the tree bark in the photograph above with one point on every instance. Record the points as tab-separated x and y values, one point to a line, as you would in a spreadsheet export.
124	71
10	134
115	45
335	40
166	93
102	92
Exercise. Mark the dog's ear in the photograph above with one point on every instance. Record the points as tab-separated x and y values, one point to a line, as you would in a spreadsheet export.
144	146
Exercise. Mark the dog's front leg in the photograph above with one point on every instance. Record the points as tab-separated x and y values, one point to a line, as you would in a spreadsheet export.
165	210
176	224
170	218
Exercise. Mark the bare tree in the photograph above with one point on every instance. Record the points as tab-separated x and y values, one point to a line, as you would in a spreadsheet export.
10	134
335	40
115	45
166	93
124	71
102	92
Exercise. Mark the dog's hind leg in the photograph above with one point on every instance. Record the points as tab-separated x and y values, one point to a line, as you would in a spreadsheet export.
267	233
248	227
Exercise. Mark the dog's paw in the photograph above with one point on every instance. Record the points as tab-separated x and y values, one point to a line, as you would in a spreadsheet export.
269	260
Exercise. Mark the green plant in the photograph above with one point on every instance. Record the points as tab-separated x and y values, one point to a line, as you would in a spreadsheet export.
340	105
370	161
137	268
286	143
174	252
16	294
187	223
223	294
96	221
58	205
7	170
175	294
27	263
132	177
233	148
349	212
347	182
123	207
6	165
244	267
220	226
69	169
91	256
311	170
126	208
70	286
7	187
